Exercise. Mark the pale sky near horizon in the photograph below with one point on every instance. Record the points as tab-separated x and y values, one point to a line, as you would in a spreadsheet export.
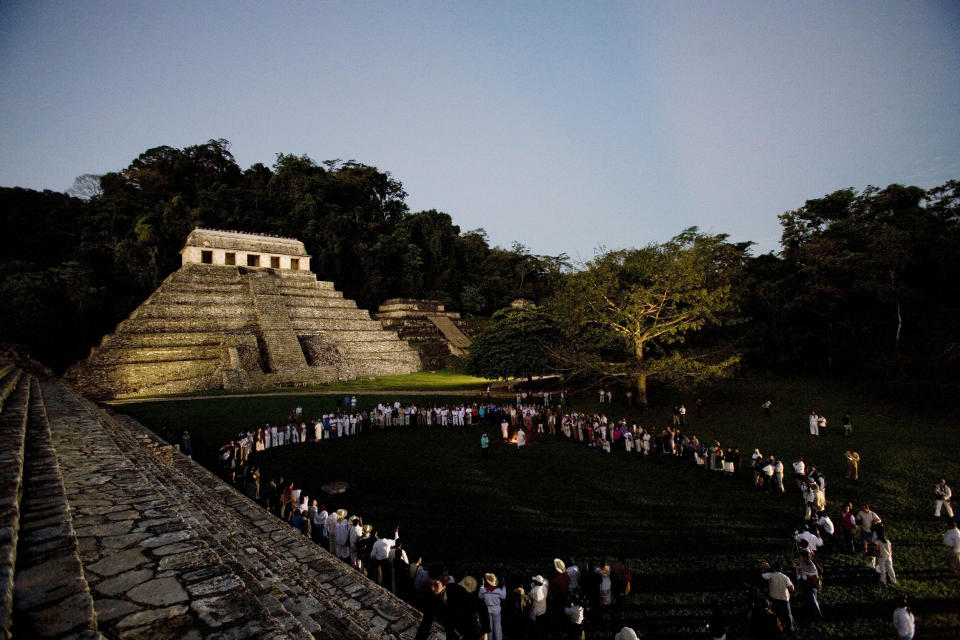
564	126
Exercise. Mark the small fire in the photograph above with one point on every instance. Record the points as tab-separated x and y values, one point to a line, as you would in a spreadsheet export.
513	440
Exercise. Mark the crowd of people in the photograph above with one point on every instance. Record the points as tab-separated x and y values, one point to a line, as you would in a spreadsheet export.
559	604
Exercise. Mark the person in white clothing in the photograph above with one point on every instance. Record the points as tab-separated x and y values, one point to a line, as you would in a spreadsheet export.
780	587
826	526
538	612
814	421
942	501
380	555
521	438
867	520
904	621
951	540
799	472
885	559
356	531
813	541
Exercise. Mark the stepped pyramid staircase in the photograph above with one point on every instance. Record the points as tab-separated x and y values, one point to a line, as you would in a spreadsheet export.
436	332
107	532
230	327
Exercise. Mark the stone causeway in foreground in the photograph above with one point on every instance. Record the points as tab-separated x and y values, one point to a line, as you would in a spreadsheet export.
106	531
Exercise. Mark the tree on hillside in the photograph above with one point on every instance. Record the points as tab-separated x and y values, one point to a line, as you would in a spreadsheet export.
636	312
85	186
516	344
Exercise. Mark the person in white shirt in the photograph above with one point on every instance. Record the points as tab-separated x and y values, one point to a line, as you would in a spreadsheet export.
951	540
904	621
867	519
942	502
885	559
799	472
780	587
756	462
356	531
380	555
826	525
538	612
814	541
342	535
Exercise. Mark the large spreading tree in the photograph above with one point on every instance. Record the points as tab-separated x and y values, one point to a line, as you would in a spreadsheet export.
516	344
640	313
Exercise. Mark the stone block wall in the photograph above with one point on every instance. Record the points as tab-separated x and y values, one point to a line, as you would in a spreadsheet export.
436	333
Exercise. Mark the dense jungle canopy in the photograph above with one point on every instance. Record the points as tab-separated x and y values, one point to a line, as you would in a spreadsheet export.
864	280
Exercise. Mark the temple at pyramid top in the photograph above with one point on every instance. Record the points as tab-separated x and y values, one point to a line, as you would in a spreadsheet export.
230	248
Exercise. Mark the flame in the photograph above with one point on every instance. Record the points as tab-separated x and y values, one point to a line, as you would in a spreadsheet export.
513	440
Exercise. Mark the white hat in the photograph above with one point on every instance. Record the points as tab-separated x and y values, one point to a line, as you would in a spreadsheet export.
626	634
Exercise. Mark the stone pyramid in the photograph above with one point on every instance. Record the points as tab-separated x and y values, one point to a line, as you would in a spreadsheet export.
225	320
436	332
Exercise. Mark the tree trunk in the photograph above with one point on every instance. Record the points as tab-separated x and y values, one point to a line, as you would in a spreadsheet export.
641	377
896	342
642	389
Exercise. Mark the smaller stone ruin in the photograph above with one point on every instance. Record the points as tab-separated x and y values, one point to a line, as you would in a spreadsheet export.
437	333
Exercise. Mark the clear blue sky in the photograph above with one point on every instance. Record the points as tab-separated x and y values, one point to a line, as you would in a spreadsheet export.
564	126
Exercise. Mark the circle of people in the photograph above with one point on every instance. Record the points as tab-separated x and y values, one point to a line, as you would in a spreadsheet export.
560	601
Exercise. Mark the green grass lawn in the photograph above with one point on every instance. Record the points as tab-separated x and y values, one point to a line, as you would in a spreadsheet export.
443	381
689	536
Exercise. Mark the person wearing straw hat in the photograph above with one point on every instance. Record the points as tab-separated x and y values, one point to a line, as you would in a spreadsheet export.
538	612
356	531
492	596
466	614
559	582
330	526
341	534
